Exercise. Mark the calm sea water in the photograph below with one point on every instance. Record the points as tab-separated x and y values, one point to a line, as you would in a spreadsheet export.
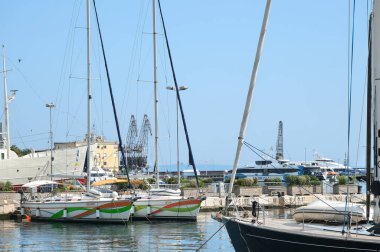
137	236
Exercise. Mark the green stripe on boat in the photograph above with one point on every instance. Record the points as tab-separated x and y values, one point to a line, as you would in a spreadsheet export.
59	214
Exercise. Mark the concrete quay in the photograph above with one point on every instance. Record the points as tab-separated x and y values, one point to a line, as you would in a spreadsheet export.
10	201
217	203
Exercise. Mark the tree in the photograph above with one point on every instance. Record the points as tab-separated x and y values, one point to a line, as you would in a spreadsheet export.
20	152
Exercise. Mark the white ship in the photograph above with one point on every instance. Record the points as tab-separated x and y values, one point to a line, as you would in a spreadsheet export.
36	165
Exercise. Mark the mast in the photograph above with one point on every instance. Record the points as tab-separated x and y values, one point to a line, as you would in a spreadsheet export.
376	82
155	94
369	122
88	100
249	95
8	142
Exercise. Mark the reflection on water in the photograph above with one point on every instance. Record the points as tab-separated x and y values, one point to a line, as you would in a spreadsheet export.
137	236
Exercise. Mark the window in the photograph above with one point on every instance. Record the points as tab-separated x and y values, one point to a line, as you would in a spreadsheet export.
104	163
2	156
263	162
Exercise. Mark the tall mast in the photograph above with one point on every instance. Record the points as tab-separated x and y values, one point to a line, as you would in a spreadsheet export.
155	94
369	122
249	96
88	100
8	142
376	81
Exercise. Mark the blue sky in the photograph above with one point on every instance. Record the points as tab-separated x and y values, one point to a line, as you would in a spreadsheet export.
302	78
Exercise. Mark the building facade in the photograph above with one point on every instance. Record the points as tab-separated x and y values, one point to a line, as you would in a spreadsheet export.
105	153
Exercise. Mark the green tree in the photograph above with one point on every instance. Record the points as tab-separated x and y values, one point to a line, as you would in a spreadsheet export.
20	152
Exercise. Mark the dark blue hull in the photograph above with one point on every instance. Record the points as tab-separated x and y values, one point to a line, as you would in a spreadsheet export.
248	237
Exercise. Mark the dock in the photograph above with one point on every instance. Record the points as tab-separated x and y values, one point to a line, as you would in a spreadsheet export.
10	201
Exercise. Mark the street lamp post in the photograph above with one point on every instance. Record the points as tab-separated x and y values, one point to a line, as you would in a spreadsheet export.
50	106
181	88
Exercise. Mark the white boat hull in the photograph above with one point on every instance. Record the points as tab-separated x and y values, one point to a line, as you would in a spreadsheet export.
76	210
166	207
330	211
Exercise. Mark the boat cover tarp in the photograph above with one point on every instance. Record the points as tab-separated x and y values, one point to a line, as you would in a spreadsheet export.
39	183
109	182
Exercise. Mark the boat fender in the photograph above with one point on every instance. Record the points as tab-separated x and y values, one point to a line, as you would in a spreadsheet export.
255	206
375	188
97	213
114	194
28	218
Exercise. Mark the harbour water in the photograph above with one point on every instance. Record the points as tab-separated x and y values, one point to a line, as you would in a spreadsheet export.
136	236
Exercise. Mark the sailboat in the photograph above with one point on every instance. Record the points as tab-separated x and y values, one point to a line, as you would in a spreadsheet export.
164	203
254	234
92	206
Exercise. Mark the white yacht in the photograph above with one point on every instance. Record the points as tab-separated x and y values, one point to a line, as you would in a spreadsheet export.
267	169
322	167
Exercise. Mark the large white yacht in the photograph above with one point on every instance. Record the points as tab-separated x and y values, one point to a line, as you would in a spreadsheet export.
322	167
267	169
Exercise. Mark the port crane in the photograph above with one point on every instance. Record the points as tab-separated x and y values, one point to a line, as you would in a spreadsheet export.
137	144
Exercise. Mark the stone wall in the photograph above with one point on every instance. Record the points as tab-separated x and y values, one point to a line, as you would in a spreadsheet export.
248	190
342	189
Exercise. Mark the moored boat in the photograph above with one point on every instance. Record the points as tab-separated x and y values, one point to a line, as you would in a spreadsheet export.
164	203
270	234
287	235
69	206
330	211
90	206
166	208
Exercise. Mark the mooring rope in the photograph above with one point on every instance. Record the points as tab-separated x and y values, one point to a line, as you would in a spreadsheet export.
212	236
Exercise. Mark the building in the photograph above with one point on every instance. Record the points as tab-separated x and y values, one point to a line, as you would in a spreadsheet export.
105	153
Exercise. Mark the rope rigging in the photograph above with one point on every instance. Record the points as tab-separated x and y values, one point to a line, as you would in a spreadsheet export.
351	32
253	148
191	158
112	99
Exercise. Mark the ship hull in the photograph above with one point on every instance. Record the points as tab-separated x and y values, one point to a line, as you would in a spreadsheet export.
36	166
166	208
250	237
